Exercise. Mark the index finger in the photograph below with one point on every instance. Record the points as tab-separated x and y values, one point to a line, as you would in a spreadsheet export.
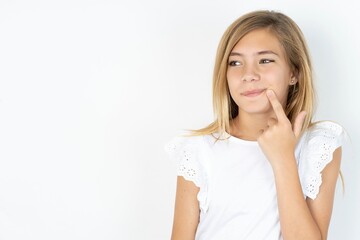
278	109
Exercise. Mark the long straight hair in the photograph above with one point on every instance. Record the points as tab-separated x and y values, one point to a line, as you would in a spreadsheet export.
300	96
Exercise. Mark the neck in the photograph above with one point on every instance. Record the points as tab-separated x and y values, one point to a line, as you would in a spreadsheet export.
247	126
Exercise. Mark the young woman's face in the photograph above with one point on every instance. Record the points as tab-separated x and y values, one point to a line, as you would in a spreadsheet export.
257	63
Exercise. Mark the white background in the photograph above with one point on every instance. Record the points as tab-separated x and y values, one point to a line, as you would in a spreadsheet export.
91	90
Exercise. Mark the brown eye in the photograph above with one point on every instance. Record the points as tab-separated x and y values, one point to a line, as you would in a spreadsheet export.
262	61
234	63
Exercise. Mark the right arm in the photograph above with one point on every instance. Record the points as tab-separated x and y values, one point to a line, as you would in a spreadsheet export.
187	211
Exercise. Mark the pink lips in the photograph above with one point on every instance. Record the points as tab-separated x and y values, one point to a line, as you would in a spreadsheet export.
253	93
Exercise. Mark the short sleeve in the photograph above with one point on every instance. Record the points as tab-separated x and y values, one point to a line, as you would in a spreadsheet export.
319	144
186	153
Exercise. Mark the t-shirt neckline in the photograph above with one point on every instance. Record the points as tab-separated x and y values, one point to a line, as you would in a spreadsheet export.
239	140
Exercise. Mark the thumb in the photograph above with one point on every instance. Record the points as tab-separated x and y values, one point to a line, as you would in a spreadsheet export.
299	121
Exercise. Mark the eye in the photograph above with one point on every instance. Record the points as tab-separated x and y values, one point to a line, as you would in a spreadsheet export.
234	63
262	61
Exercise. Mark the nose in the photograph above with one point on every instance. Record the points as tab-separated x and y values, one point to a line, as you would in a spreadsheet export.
250	74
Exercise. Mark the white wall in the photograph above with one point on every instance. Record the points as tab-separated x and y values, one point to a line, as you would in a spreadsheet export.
91	90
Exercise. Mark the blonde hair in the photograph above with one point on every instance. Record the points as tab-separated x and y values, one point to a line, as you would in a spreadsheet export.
300	97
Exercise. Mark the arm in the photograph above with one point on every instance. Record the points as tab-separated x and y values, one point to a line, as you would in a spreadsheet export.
300	218
321	207
187	211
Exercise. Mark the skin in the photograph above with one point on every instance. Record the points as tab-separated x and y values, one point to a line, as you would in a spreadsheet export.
258	62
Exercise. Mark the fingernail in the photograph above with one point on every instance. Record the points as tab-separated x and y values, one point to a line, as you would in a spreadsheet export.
270	92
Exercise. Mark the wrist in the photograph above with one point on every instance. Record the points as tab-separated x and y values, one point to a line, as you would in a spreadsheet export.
284	162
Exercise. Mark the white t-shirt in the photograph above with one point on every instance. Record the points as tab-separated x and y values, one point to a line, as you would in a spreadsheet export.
237	196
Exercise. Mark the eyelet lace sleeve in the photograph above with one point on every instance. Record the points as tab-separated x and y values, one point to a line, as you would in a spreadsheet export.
321	140
185	151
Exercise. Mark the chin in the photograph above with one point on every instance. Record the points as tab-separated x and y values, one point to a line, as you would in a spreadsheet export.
256	108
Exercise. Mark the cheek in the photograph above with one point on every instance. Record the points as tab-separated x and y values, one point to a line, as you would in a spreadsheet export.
234	91
231	82
280	84
281	94
233	74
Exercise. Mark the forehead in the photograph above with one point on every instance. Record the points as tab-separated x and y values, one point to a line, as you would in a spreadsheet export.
259	40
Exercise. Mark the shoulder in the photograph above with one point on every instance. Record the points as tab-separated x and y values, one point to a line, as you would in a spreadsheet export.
326	130
324	133
321	139
187	152
317	146
181	142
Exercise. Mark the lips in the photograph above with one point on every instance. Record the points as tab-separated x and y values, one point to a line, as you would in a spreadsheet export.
253	93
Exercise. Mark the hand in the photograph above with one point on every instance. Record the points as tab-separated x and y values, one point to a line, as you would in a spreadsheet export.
278	141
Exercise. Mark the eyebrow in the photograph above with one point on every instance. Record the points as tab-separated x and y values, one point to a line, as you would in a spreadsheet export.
258	53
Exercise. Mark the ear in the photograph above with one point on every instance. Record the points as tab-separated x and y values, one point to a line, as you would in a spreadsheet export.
293	79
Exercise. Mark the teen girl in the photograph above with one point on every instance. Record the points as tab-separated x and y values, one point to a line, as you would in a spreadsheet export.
262	169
